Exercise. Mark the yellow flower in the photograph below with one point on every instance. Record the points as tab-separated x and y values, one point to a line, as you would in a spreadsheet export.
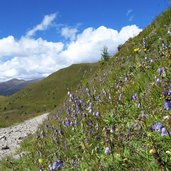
117	156
40	161
139	65
125	160
145	50
152	151
149	134
168	152
152	83
136	49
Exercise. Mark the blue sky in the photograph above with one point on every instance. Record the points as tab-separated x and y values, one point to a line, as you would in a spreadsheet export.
17	16
61	27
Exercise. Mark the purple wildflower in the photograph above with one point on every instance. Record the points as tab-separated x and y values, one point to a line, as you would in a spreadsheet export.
145	115
57	164
160	128
139	105
60	132
135	97
169	92
98	138
160	71
47	127
163	132
166	93
97	126
104	92
167	104
86	140
164	46
87	91
107	150
55	131
56	140
97	114
50	167
42	133
157	126
112	129
120	97
90	132
107	140
68	111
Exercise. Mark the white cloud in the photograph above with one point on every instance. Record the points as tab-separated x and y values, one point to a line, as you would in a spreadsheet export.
131	18
88	45
129	12
30	58
69	33
129	15
46	22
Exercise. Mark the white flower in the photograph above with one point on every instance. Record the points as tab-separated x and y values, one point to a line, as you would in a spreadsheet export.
107	150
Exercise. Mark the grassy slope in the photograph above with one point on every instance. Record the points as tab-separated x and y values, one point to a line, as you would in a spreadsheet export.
43	96
123	125
12	86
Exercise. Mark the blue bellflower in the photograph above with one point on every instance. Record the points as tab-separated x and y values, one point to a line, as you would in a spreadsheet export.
167	104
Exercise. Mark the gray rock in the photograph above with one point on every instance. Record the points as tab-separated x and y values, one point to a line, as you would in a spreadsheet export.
12	137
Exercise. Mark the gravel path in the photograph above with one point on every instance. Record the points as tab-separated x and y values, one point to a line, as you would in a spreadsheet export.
11	137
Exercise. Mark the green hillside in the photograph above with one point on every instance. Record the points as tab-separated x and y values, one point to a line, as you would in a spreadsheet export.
12	86
43	96
119	119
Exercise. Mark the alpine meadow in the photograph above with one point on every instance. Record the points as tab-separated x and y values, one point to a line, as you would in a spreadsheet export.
114	115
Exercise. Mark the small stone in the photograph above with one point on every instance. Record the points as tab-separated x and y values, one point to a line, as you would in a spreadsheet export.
5	148
20	138
3	137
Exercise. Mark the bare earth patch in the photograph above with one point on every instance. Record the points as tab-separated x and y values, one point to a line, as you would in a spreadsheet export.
11	137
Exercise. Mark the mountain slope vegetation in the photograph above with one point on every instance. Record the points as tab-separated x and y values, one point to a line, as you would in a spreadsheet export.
118	119
42	96
12	86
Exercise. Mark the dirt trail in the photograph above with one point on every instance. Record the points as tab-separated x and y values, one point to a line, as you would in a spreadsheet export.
11	137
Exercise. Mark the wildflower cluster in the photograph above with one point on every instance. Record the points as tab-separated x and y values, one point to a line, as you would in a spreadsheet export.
117	120
102	125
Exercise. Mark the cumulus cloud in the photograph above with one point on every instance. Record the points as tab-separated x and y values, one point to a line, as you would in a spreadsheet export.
88	45
30	58
69	33
46	22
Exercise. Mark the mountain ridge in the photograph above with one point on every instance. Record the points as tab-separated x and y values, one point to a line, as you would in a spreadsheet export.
42	96
14	85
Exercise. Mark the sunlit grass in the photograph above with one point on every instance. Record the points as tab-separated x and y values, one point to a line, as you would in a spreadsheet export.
43	96
115	120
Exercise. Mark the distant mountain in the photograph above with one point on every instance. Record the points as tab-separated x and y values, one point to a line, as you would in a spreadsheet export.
14	85
43	96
